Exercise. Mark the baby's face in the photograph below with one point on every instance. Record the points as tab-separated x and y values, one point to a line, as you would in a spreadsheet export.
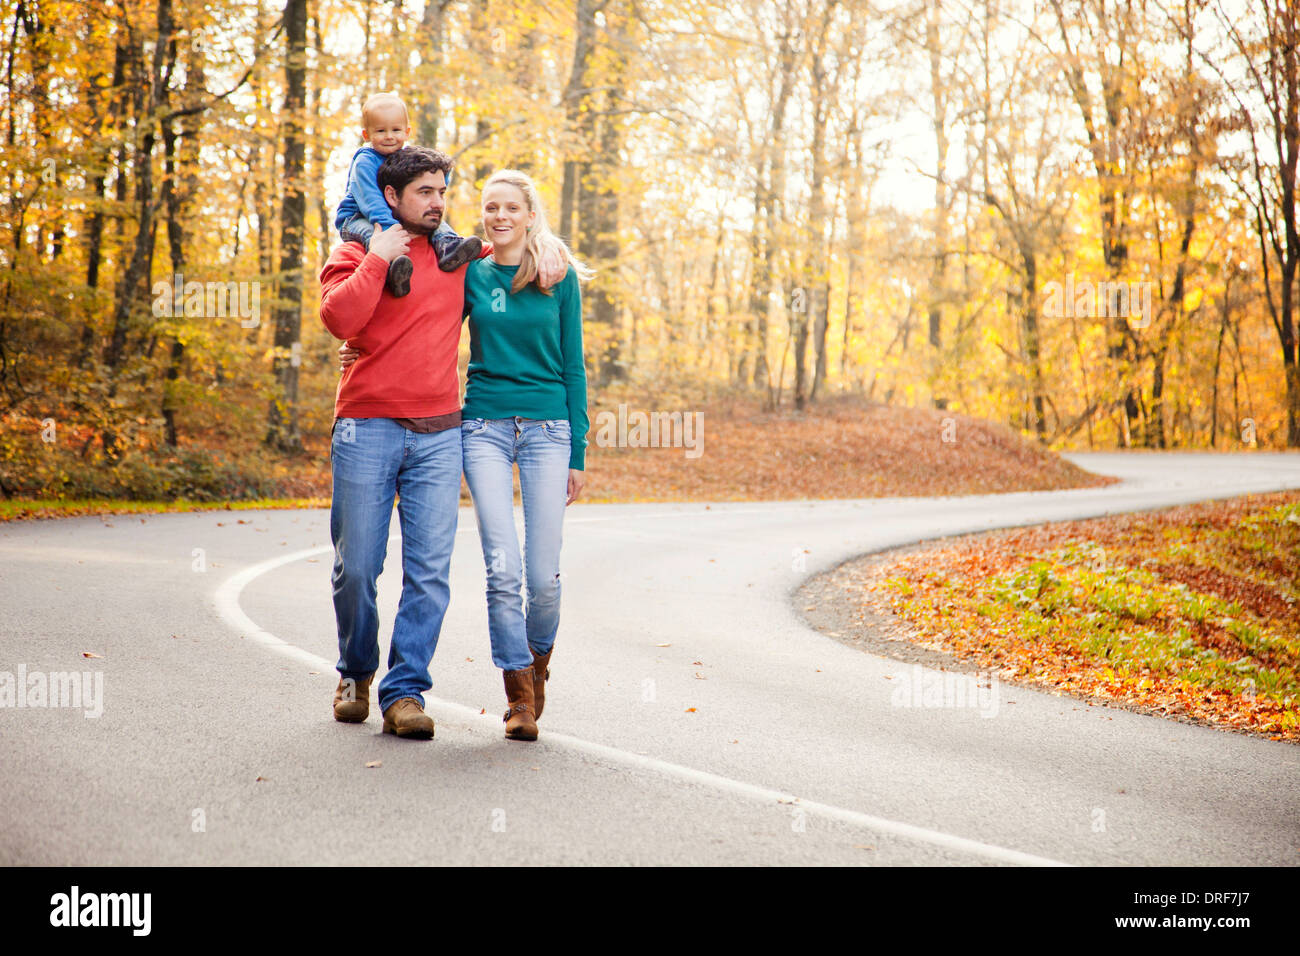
387	131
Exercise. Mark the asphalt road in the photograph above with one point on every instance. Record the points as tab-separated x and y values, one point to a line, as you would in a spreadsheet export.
692	717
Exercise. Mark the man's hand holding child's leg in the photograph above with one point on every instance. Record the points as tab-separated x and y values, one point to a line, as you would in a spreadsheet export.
391	245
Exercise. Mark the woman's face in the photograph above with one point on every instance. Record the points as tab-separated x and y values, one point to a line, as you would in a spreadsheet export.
506	216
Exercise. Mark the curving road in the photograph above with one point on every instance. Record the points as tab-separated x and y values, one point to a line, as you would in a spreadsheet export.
692	717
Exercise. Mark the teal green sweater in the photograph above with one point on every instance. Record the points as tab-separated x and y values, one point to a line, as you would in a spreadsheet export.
525	351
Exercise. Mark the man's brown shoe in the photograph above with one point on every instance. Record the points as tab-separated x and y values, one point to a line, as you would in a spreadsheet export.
407	718
541	671
352	699
520	723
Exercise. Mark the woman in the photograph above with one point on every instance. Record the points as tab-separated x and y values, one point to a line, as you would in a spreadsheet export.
525	405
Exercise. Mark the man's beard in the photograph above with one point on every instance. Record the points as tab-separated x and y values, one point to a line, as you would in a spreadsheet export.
423	228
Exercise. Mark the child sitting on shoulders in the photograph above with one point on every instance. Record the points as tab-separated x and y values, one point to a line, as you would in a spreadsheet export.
385	126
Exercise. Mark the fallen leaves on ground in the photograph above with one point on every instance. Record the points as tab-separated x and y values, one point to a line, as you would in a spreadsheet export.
1191	612
839	447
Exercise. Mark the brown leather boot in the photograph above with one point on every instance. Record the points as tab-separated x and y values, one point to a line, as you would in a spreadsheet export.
541	671
407	718
520	722
352	699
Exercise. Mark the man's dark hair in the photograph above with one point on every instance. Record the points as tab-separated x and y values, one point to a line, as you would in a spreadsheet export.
399	168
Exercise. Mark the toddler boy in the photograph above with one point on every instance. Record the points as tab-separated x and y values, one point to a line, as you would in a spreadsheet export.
385	126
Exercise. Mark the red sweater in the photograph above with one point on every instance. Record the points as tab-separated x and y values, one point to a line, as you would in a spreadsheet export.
407	367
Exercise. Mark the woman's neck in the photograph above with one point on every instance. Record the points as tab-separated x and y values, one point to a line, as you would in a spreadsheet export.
511	255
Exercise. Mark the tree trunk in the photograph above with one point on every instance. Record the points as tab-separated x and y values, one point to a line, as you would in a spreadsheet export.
597	198
1112	170
319	153
95	228
282	420
819	273
179	191
857	240
770	177
1156	425
1033	356
579	115
176	247
939	260
263	173
431	71
134	283
1274	201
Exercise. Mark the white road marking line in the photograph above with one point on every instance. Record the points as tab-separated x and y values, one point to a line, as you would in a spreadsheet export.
227	602
812	807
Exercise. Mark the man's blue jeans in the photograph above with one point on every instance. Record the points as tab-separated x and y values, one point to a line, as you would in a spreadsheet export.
373	460
541	450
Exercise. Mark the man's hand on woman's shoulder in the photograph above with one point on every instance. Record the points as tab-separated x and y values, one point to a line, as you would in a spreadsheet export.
553	264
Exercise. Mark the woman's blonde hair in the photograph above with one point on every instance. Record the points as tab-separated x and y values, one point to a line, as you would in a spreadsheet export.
539	233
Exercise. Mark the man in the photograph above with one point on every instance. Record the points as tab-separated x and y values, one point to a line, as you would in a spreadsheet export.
396	433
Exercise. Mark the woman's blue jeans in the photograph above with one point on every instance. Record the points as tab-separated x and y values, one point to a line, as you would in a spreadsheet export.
372	461
541	450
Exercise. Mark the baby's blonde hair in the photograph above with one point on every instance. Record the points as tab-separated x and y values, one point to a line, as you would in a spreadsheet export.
539	233
381	99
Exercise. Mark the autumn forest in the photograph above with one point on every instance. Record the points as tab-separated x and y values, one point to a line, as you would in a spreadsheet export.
1076	218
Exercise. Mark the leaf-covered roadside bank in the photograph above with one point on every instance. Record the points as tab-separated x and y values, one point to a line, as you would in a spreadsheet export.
1191	613
673	447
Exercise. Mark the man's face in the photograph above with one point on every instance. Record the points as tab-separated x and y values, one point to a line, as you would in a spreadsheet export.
420	207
